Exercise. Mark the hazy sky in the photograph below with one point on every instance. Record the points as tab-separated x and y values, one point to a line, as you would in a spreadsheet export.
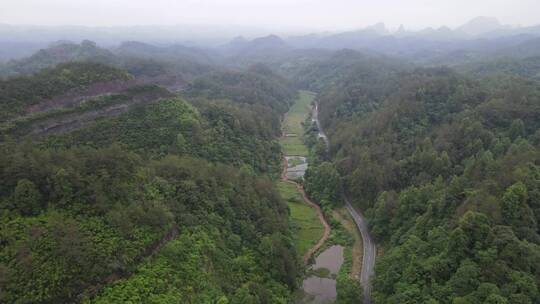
279	14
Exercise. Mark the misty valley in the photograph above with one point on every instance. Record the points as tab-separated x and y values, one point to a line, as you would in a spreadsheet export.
366	166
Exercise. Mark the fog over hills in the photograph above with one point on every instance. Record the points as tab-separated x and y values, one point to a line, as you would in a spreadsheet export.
481	35
215	35
481	25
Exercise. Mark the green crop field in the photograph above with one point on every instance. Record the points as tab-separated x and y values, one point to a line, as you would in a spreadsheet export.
307	227
293	125
293	146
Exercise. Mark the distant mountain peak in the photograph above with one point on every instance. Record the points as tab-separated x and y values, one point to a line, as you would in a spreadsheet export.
444	29
271	41
272	37
60	43
481	25
379	28
485	19
238	40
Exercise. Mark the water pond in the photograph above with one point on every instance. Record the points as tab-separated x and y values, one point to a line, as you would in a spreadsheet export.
320	285
296	167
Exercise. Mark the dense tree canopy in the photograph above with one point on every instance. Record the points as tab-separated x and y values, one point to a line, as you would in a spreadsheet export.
21	92
446	167
170	195
135	193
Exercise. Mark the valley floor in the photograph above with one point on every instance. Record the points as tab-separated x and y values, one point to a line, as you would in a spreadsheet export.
311	230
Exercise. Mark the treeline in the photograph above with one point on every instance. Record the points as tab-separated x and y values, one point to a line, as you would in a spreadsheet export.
447	168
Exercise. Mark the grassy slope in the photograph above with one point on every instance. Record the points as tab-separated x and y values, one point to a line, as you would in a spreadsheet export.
293	125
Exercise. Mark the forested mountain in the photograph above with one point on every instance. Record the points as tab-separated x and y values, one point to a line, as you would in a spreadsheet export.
165	53
60	53
171	66
481	25
257	48
257	85
110	184
345	67
74	218
447	168
21	94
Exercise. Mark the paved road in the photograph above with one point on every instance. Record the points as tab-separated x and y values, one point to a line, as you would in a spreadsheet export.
370	251
369	246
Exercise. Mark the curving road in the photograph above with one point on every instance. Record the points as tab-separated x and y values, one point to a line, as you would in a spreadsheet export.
370	251
369	247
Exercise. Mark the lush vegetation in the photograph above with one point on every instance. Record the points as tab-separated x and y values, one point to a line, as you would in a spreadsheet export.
32	124
19	93
447	168
171	197
525	67
306	226
292	142
348	287
342	67
138	59
60	53
232	244
145	197
218	132
72	217
323	184
257	85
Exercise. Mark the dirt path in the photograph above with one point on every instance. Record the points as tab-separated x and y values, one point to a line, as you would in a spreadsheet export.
326	233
